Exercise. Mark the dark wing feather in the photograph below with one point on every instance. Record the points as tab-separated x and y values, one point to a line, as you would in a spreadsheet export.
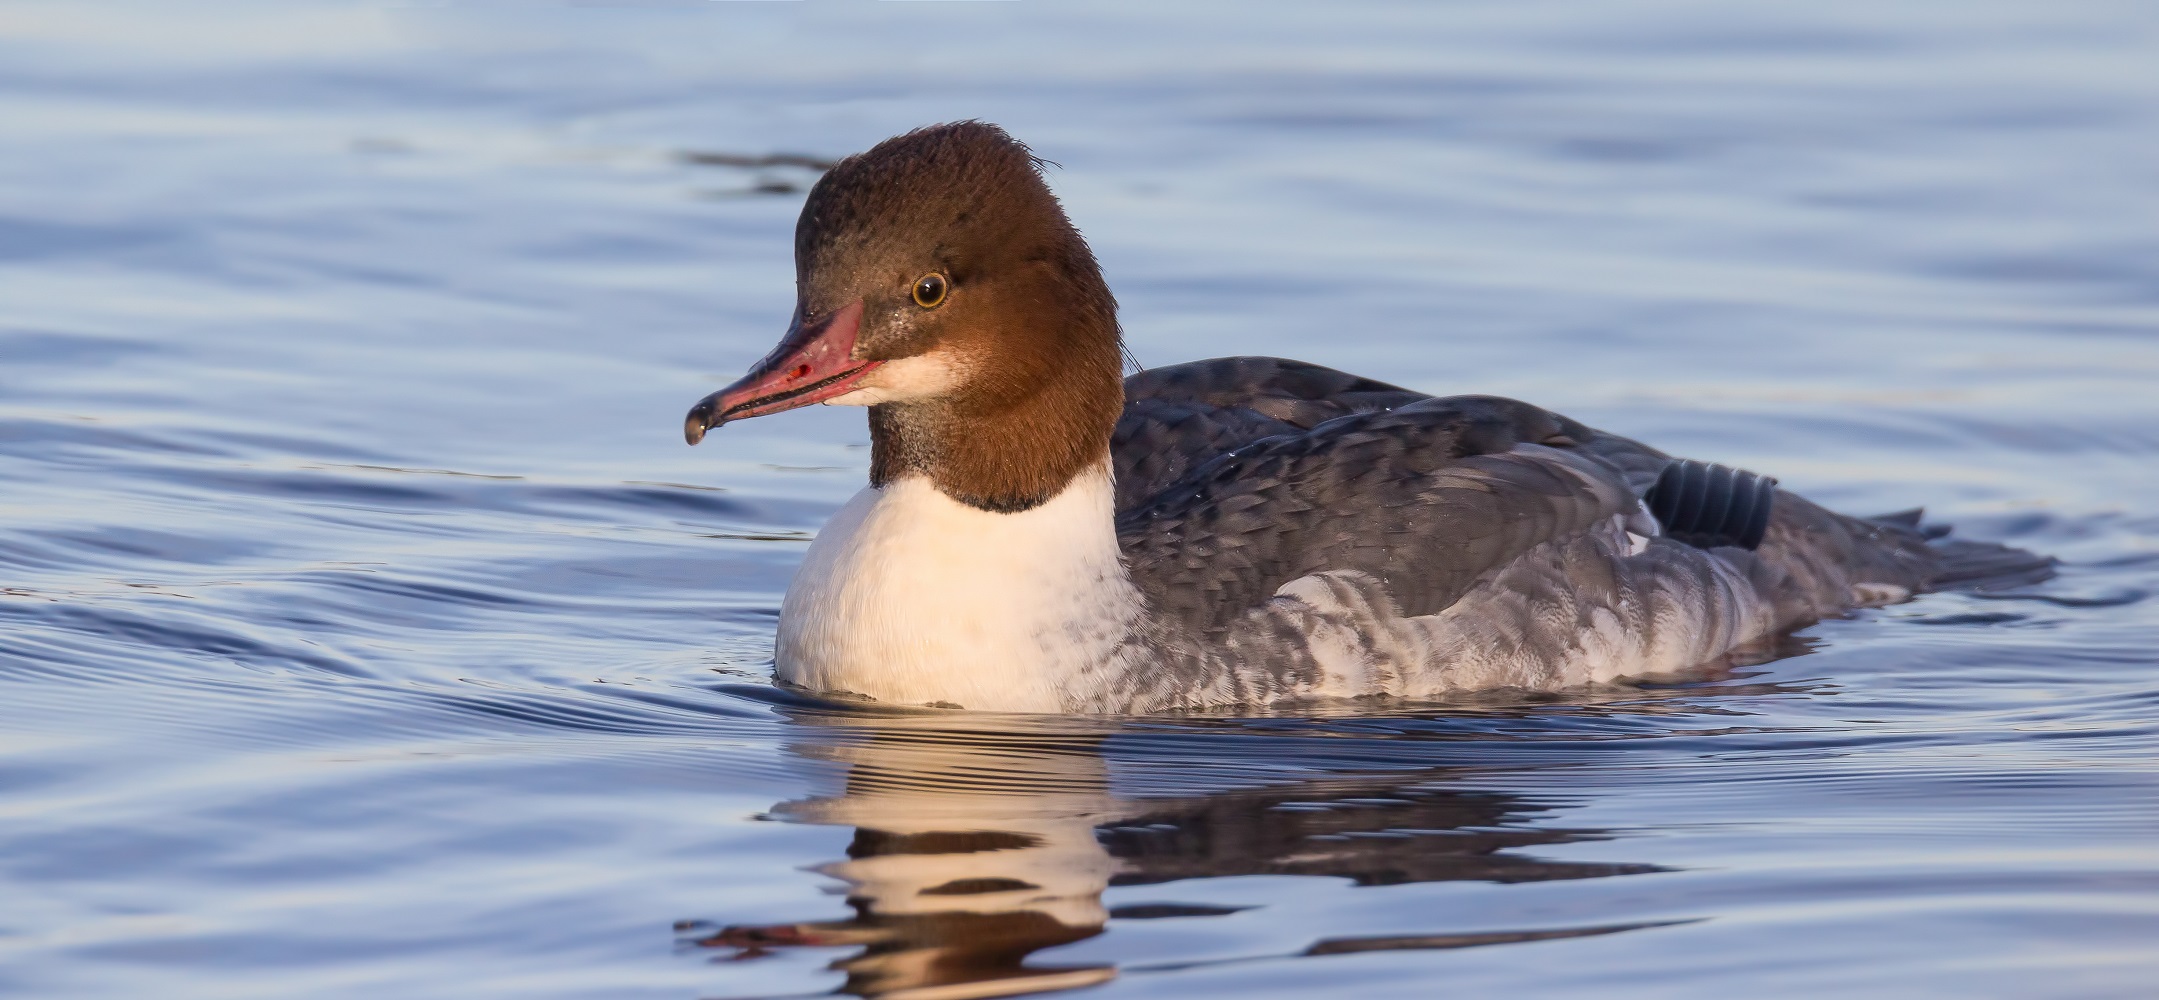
1178	417
1425	497
1238	475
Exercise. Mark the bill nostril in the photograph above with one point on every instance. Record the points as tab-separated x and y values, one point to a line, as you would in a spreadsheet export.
798	371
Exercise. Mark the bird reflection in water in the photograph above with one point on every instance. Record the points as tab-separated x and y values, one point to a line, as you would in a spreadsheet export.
980	842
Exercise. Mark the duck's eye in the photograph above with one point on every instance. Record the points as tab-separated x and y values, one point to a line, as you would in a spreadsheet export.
929	290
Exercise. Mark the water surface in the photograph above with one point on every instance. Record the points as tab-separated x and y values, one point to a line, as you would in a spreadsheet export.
366	629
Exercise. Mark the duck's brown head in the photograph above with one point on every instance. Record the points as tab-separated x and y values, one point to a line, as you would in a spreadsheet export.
939	283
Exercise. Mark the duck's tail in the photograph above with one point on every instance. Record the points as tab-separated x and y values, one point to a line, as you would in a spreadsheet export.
1961	564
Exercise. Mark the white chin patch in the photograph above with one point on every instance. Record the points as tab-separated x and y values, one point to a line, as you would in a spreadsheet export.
918	377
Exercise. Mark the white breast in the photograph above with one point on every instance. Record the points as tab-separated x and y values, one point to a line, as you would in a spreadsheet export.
911	597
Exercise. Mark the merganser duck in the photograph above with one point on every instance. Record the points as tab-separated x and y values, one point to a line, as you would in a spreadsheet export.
1041	535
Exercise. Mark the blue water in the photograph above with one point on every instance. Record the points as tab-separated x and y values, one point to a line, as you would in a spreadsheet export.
366	630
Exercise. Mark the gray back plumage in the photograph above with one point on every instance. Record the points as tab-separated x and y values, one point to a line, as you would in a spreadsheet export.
1236	476
1178	417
